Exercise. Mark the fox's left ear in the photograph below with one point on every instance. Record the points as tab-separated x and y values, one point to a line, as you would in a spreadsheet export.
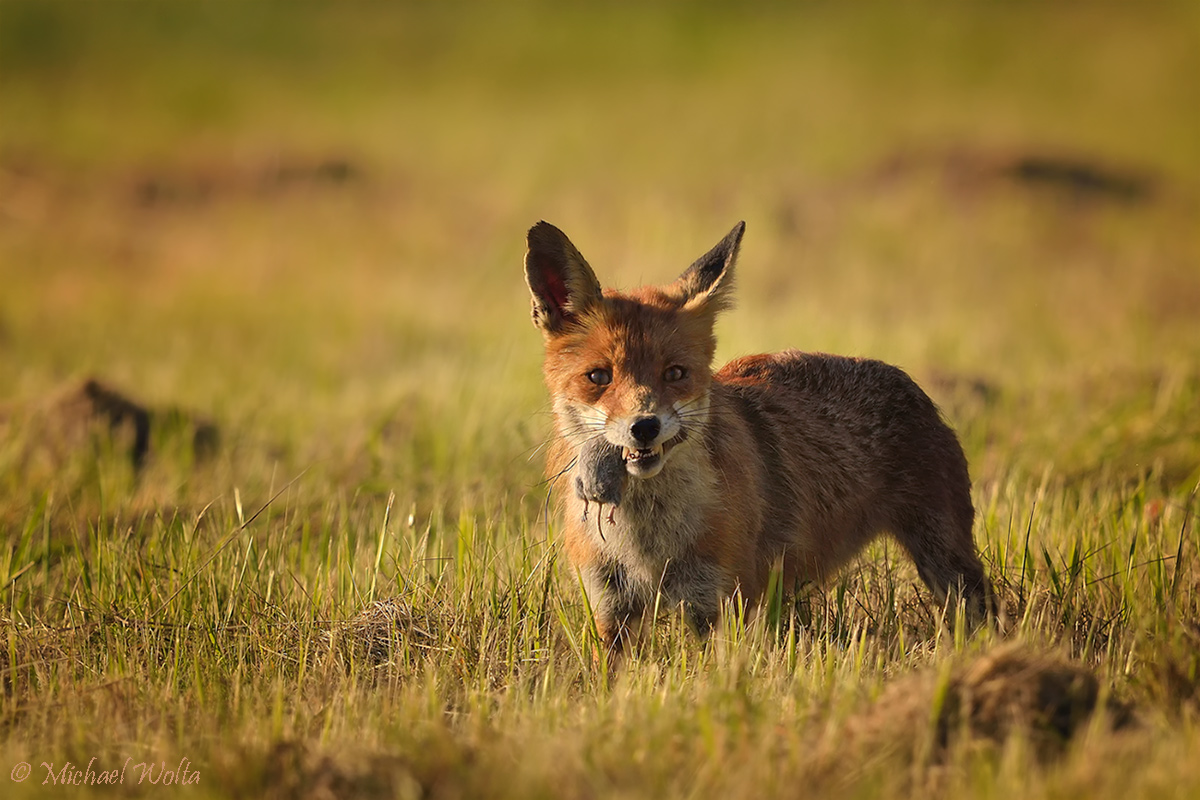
708	283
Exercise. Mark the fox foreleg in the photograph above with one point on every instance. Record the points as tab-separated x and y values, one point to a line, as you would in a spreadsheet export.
617	606
697	586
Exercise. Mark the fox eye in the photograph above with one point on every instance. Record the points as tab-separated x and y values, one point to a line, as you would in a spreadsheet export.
674	373
600	376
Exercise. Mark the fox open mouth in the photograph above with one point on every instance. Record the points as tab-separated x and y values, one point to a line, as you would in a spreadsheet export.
642	459
646	462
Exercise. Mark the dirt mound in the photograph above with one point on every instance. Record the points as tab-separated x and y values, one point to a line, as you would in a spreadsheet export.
383	627
295	770
1073	176
94	414
199	184
1013	690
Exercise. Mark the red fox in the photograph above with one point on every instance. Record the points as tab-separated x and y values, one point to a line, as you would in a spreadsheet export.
790	460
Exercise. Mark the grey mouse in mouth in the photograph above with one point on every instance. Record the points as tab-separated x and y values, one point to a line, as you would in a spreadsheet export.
600	474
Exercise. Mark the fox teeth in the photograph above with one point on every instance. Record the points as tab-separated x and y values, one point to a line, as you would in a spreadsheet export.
629	453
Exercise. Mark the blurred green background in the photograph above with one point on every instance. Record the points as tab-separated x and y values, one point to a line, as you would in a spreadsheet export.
306	220
301	225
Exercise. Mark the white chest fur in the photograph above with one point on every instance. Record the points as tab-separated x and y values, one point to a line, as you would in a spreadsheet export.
659	518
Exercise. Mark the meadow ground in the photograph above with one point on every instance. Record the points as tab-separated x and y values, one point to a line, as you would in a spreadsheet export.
302	229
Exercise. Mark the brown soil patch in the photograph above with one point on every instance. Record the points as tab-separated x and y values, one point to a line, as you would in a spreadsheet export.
1012	690
1074	176
94	414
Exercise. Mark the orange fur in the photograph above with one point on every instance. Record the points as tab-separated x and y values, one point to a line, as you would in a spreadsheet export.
790	459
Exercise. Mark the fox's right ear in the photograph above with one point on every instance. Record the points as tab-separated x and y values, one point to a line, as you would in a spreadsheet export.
562	283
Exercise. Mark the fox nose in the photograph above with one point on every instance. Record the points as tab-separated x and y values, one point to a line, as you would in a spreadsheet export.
645	429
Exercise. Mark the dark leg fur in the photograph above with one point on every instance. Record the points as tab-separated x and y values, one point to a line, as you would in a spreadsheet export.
618	609
698	587
942	548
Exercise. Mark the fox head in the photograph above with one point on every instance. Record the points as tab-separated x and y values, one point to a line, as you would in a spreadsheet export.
633	367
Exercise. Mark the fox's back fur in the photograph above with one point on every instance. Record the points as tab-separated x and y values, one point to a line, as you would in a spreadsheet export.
790	460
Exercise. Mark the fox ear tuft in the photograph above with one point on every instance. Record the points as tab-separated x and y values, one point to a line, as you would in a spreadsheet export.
708	282
560	280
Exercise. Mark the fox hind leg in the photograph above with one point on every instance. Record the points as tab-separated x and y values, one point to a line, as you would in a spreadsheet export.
943	549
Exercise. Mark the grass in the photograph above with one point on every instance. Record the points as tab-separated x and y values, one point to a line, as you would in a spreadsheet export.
306	225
